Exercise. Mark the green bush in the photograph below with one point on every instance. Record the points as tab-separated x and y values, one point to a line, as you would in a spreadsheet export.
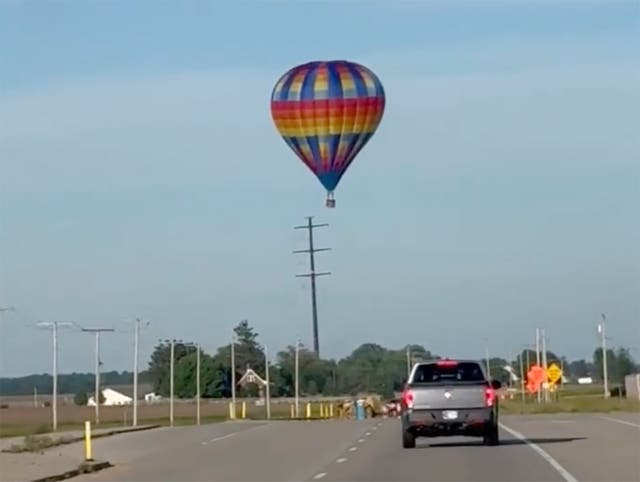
80	399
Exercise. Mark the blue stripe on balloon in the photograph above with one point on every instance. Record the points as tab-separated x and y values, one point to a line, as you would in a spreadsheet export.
307	91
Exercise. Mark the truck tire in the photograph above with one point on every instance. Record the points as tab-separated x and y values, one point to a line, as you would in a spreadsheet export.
492	436
408	440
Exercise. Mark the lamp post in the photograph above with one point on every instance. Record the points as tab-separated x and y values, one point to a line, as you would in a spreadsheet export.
605	374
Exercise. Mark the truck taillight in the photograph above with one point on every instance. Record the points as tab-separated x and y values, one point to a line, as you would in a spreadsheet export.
489	396
407	398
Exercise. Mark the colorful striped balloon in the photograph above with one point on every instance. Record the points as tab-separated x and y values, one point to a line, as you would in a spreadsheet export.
326	112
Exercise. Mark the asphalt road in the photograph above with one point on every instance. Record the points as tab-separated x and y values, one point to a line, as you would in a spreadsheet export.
535	448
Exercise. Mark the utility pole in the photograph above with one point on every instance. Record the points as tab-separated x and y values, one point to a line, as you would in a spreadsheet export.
233	374
198	384
544	364
173	351
268	387
136	347
408	362
521	376
486	355
54	397
297	378
313	275
96	332
538	359
605	375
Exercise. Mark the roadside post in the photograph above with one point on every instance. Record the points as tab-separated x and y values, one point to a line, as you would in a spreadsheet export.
88	456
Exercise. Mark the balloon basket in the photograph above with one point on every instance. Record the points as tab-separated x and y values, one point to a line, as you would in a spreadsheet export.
331	203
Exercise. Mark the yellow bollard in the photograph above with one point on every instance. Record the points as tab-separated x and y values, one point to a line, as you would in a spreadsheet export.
308	410
331	410
244	409
88	456
321	410
293	411
232	412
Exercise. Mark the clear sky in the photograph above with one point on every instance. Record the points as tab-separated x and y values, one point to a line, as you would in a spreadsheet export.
141	175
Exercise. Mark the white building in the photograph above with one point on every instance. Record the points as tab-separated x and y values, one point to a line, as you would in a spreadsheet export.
111	397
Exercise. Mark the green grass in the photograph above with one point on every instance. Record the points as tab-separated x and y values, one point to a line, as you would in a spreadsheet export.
27	430
19	430
570	404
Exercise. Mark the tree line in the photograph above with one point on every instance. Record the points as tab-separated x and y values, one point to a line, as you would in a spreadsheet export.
67	383
369	368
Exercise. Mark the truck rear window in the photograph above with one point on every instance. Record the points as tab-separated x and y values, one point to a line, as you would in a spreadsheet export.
458	372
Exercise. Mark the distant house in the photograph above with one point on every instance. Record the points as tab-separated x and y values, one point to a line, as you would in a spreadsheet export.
120	394
152	397
111	397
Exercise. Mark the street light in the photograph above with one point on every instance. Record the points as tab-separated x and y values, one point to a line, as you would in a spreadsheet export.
96	332
54	401
136	343
197	346
605	375
171	377
297	378
268	391
233	375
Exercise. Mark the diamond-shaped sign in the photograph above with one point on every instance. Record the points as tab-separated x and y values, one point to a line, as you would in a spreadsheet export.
554	373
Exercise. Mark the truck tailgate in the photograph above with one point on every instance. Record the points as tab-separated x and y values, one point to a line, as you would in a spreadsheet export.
444	397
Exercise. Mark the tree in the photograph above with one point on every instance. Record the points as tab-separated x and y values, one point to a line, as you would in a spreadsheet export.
80	398
625	365
101	398
160	365
578	369
186	376
248	354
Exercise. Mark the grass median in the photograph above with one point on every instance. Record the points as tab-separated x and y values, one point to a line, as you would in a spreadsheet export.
575	404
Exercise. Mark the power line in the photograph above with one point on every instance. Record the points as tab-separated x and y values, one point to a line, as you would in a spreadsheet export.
313	275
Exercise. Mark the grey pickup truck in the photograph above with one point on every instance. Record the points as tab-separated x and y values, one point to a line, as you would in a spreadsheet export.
449	397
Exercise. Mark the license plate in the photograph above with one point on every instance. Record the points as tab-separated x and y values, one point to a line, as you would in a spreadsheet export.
449	415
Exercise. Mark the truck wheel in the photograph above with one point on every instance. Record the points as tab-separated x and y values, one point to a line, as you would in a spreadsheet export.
492	436
408	440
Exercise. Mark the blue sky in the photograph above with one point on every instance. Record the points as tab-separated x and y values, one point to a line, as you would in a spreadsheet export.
141	175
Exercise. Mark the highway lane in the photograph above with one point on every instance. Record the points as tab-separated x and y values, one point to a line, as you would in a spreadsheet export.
242	451
566	448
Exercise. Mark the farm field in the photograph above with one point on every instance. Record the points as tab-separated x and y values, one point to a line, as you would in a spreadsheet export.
18	420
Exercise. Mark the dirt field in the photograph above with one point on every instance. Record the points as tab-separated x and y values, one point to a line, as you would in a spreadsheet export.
21	419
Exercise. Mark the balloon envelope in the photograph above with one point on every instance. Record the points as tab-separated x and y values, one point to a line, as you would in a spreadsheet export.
327	111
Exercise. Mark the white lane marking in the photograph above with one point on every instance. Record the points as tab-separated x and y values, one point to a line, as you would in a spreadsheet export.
623	422
374	428
566	475
353	449
341	460
367	434
319	476
360	440
222	437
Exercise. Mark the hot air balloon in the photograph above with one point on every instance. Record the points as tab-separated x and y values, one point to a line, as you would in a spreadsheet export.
327	111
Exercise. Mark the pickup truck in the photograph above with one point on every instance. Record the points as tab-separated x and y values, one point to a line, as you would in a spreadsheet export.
449	397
